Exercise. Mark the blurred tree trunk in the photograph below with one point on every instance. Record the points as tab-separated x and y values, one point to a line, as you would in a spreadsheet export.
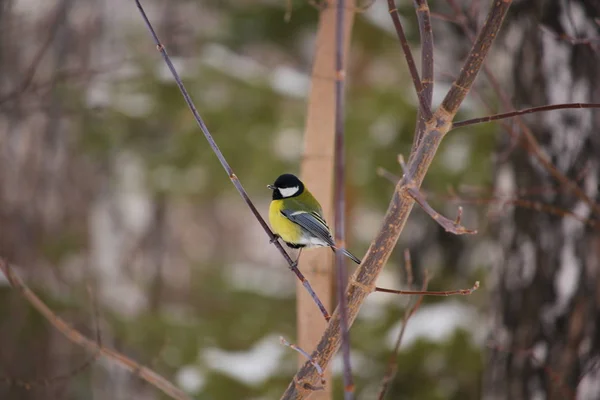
317	171
545	307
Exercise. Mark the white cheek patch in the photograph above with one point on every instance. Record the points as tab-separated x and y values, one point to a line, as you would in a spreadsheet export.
289	192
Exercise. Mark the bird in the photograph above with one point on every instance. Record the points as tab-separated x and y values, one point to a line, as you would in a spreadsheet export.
297	217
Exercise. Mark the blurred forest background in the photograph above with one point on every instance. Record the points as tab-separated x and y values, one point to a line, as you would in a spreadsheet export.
108	191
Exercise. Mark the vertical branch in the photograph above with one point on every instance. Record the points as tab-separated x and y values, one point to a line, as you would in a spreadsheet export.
410	61
426	33
340	200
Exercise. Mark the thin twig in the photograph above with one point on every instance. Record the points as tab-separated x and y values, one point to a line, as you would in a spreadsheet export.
339	198
410	61
234	179
426	33
80	339
458	292
307	356
448	225
392	366
454	197
531	110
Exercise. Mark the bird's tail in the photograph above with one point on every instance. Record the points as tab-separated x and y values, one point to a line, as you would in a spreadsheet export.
347	254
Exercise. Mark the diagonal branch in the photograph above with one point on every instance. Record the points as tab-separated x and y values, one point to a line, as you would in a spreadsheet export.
424	105
449	225
363	280
234	179
79	339
426	33
531	110
474	61
305	355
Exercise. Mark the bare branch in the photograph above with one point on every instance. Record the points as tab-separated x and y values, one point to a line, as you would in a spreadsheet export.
79	339
449	225
234	179
306	355
340	198
458	292
426	33
424	108
522	112
474	61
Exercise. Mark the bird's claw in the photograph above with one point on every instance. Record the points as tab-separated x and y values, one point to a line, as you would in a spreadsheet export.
275	238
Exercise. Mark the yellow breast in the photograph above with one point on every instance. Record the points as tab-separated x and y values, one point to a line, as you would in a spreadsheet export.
287	230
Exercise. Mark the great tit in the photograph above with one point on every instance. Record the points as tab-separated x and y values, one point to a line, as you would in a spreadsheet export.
297	217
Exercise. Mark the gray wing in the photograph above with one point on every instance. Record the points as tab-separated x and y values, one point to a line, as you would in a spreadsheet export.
311	222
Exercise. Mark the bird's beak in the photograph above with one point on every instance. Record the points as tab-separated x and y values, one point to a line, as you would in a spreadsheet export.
271	187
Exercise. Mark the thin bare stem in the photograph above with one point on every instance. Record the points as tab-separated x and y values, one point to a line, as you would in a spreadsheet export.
413	190
80	339
448	225
392	365
340	198
531	110
426	33
305	355
454	197
234	179
458	292
424	108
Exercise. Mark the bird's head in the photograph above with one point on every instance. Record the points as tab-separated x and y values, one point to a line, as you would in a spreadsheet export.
286	185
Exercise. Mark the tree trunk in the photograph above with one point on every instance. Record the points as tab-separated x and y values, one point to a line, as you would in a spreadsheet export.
545	308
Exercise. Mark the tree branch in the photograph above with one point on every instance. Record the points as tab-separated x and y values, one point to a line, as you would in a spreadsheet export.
234	179
305	355
424	106
79	339
531	110
459	292
340	199
426	33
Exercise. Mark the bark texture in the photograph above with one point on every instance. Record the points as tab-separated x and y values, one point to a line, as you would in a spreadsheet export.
545	309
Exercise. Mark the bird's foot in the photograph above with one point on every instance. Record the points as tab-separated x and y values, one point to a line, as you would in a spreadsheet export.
275	238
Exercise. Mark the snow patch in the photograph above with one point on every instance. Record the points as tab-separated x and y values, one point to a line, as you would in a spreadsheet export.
435	323
251	367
